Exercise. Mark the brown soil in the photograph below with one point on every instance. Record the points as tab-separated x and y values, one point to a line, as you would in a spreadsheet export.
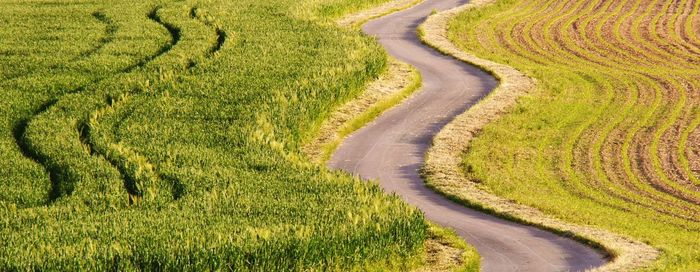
443	161
645	46
693	152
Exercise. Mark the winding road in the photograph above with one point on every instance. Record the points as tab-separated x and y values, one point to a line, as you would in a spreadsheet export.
391	150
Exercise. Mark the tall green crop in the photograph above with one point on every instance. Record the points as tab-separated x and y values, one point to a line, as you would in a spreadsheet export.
165	136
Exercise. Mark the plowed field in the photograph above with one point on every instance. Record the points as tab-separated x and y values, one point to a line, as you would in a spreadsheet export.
610	136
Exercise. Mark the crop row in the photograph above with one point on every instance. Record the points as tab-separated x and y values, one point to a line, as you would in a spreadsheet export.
606	139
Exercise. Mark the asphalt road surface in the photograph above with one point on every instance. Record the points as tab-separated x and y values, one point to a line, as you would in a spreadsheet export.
391	150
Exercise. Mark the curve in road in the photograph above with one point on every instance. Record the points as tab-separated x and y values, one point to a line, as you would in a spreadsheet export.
391	150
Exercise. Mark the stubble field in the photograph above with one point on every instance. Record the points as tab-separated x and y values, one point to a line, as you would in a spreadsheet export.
610	136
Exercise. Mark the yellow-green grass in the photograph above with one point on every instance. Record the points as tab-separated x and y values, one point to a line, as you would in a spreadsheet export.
603	139
369	115
469	260
165	135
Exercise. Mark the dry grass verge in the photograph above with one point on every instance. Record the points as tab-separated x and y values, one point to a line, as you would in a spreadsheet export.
443	162
394	85
443	250
397	83
446	251
357	19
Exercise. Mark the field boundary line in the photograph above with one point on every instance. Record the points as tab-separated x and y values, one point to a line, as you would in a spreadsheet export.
443	248
443	171
397	82
356	20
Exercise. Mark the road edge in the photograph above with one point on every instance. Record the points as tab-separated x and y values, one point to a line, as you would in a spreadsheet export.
443	248
356	20
442	171
394	85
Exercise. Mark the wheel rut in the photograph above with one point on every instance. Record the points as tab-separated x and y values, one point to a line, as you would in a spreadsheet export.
107	38
391	150
134	181
83	127
136	170
20	128
202	16
19	133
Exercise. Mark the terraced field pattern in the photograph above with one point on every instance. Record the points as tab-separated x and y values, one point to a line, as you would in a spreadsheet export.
610	135
165	135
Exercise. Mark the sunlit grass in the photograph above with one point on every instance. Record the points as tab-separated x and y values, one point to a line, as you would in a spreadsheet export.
166	136
614	97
